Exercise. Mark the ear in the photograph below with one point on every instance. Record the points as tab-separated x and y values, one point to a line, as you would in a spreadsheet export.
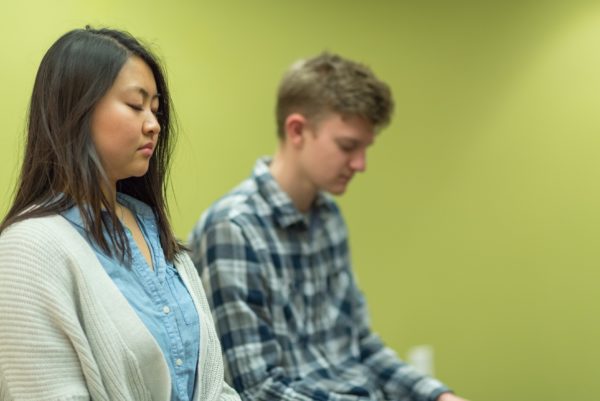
295	125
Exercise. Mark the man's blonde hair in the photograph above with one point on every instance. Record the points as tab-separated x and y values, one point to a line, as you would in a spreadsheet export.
329	83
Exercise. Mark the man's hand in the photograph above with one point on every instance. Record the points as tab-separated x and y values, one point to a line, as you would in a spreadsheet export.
449	397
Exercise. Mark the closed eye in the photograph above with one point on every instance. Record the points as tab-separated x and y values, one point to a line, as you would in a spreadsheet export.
136	107
347	146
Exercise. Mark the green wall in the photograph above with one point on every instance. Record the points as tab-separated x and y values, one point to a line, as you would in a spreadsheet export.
476	228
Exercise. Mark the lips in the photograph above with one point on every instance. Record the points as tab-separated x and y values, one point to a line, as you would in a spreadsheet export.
147	149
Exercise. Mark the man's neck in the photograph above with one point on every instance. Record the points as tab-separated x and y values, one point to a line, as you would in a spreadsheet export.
291	181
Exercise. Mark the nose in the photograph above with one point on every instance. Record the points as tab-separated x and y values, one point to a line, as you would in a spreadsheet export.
151	125
359	161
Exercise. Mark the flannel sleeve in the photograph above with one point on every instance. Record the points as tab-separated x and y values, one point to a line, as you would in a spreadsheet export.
397	378
238	291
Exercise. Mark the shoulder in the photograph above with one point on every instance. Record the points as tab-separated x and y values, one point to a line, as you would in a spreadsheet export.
45	239
242	202
38	232
238	210
45	249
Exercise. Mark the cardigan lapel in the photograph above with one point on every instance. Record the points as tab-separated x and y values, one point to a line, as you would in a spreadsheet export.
130	328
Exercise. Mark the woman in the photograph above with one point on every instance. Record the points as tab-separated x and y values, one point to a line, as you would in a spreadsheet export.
98	299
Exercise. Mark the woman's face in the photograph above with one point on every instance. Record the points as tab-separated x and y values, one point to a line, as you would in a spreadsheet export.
124	124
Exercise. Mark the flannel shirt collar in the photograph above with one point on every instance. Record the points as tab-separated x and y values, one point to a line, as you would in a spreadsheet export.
284	211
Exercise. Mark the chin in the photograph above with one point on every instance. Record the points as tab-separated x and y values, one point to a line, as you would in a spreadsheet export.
135	174
337	190
140	172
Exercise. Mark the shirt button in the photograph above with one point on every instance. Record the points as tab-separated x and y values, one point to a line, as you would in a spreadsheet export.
166	310
178	362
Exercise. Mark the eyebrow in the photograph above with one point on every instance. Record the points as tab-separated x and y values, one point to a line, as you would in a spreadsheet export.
355	141
143	92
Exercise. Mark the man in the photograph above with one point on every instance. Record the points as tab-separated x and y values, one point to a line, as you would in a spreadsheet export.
273	253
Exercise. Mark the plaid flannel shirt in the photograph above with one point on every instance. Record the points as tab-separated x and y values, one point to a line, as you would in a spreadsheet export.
292	323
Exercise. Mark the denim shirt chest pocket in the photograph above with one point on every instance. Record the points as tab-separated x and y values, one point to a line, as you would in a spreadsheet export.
181	297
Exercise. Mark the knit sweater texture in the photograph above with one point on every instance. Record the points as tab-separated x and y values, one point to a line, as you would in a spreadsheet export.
68	334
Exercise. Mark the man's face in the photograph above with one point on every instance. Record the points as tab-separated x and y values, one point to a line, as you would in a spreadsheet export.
334	149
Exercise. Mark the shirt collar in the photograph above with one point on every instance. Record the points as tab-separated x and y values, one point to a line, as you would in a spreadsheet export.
74	216
137	207
284	210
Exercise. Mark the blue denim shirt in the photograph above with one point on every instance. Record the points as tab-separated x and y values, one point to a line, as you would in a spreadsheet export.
159	297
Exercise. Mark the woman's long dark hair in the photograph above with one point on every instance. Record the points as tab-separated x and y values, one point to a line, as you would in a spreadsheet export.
61	167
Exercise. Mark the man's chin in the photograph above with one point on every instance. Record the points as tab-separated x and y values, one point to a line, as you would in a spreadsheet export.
338	190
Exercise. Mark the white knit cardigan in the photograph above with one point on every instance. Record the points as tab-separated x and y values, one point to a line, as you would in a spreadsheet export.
67	332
